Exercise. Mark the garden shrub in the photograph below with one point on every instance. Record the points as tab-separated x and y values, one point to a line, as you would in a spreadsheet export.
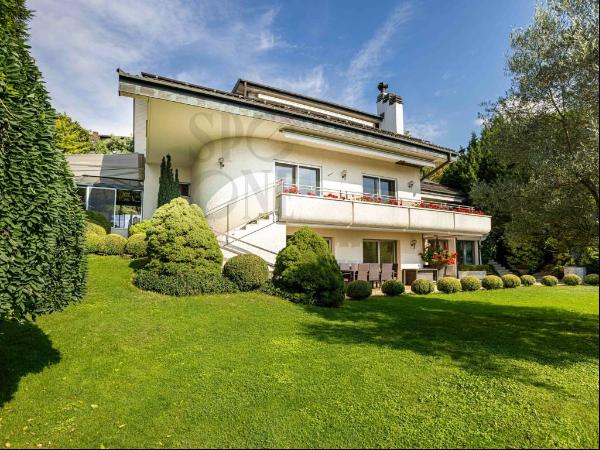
359	289
492	282
549	280
557	271
136	245
511	281
113	244
449	285
527	280
98	219
248	272
94	242
295	297
392	288
422	286
179	239
474	268
470	283
307	266
572	279
183	282
140	227
591	279
93	228
42	224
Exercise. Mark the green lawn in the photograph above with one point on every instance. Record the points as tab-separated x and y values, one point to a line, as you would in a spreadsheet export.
125	368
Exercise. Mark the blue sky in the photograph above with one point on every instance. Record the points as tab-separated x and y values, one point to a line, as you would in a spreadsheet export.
444	57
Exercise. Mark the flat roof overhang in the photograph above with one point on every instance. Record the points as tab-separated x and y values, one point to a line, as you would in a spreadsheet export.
216	116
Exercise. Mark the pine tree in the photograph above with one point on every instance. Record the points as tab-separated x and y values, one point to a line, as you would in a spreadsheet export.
42	255
168	184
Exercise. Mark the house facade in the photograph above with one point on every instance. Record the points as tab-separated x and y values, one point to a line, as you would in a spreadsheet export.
262	162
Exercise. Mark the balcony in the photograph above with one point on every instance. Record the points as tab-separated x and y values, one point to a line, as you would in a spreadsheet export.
308	205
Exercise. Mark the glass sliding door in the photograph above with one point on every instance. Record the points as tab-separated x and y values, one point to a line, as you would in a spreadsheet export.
376	251
128	208
379	187
285	173
308	179
102	200
387	251
387	188
370	252
466	252
370	186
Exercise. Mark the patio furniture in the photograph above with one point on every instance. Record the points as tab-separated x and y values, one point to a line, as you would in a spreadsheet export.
374	273
347	271
363	272
387	272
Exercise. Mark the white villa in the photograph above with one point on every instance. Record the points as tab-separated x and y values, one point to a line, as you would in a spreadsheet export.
261	162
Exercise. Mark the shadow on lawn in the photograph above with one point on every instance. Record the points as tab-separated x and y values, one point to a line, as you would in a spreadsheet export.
24	349
481	337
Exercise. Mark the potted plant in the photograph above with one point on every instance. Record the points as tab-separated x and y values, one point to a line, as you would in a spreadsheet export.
438	257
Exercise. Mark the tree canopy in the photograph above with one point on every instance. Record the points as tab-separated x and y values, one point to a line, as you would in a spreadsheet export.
70	136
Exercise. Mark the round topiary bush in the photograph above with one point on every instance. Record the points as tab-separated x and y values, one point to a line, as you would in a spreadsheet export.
92	228
392	288
527	280
511	281
179	239
591	279
113	244
248	272
549	280
572	279
307	266
449	285
137	245
422	286
93	242
359	289
470	283
139	227
492	282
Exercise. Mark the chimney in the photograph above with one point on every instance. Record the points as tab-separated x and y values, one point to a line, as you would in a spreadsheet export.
390	109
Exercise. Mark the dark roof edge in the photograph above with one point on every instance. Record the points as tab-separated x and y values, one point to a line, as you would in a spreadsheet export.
371	116
151	79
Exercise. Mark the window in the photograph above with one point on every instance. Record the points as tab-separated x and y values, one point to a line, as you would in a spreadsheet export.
121	207
466	252
376	251
379	187
307	178
184	189
438	243
329	243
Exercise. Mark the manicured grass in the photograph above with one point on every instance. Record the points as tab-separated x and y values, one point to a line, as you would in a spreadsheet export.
510	368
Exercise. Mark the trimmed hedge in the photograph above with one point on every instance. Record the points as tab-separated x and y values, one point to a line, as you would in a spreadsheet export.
392	288
492	282
113	244
527	280
422	286
359	289
248	272
549	280
93	228
591	279
98	219
295	297
93	242
137	245
140	227
183	282
470	283
306	266
449	285
572	279
511	281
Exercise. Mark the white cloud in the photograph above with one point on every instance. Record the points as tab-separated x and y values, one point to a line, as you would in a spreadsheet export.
78	46
367	61
429	130
478	122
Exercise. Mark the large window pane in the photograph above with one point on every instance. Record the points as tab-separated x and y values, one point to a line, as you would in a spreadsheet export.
82	192
285	172
370	252
387	251
466	252
370	186
102	200
308	179
128	208
388	188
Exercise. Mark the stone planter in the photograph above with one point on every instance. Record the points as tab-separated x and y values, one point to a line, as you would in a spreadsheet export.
580	271
481	274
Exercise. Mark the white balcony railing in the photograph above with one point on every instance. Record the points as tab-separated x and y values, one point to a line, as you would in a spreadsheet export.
315	205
